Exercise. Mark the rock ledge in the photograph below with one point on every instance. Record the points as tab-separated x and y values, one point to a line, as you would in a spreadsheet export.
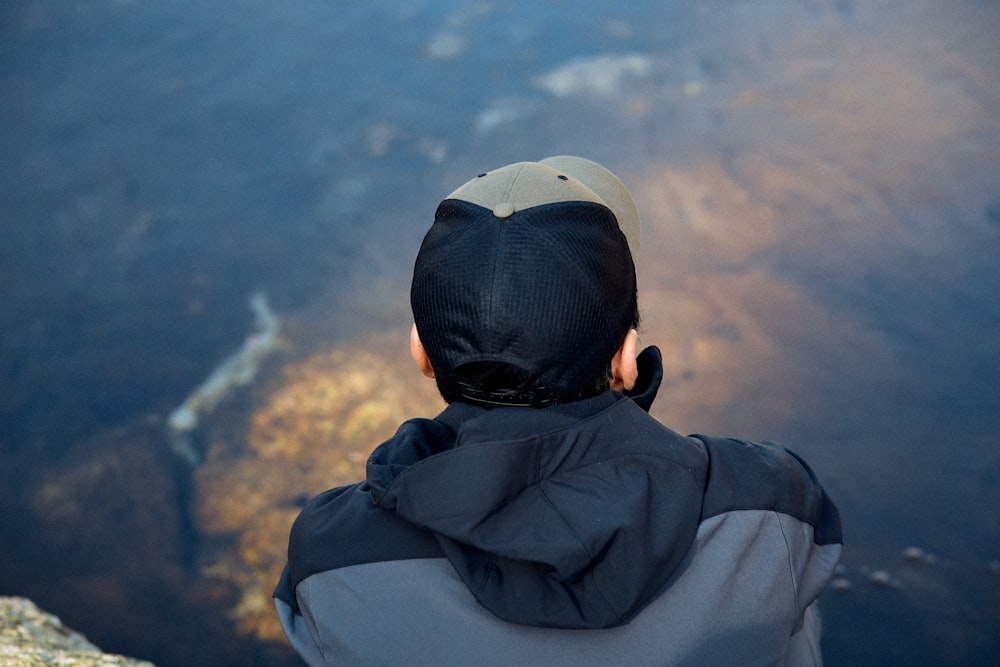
30	637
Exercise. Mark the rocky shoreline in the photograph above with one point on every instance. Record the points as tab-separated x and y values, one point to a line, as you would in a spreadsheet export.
31	637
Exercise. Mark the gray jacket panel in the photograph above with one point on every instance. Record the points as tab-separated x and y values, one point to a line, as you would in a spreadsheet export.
419	612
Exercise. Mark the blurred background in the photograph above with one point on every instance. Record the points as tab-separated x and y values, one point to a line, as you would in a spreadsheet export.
236	190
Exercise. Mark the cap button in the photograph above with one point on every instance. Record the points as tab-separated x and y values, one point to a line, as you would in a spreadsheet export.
503	210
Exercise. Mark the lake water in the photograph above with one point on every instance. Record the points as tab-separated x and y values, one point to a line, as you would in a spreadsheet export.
820	189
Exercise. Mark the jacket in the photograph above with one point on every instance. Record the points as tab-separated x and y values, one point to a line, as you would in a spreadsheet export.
578	534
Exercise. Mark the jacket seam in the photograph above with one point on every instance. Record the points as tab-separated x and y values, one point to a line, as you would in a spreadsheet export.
791	567
590	556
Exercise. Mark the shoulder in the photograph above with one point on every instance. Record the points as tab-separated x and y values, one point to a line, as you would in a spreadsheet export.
343	527
766	476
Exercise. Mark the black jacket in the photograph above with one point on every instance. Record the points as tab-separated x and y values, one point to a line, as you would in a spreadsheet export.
497	536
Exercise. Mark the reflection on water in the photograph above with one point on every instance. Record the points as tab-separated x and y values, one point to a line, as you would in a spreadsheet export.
821	204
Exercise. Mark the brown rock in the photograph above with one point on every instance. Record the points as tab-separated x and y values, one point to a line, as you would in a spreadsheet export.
312	431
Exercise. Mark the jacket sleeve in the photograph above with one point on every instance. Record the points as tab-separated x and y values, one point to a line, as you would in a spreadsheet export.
294	625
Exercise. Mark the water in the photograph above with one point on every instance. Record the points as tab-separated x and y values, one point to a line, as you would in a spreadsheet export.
820	190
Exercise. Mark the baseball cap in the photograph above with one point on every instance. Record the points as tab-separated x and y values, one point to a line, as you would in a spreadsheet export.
529	267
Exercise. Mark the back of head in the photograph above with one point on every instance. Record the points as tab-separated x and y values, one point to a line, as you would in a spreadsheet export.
524	286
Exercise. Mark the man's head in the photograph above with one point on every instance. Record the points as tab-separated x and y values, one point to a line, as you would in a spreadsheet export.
524	288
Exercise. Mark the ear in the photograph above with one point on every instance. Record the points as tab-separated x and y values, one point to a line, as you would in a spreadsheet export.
624	369
420	354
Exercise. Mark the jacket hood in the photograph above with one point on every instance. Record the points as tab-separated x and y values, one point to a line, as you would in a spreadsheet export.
572	516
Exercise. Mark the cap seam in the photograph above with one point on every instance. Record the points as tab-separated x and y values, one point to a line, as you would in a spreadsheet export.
498	231
512	184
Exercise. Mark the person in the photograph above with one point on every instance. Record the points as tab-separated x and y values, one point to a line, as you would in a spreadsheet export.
544	517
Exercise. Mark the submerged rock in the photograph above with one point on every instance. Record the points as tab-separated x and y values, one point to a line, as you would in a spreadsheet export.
313	430
30	637
106	546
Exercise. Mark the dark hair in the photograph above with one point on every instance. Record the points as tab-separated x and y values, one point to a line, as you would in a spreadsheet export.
502	383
